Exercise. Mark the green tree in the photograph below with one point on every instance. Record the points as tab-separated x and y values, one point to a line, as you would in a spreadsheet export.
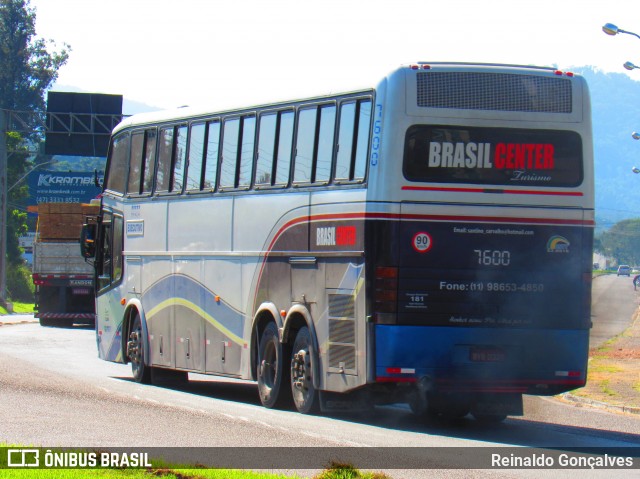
622	242
27	70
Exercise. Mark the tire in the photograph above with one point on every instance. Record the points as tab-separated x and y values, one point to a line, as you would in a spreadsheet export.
305	396
135	352
273	374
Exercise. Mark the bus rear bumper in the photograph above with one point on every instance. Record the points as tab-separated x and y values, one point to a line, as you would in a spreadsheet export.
482	360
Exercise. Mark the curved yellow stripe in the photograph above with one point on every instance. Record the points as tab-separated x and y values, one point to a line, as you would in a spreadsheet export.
199	311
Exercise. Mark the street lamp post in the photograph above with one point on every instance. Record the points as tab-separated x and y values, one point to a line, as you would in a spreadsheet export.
636	136
611	29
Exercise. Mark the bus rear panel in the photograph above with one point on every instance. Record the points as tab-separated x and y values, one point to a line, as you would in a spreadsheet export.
481	280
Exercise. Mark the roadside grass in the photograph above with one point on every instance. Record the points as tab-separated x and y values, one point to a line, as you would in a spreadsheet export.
21	308
604	386
339	471
596	367
614	370
138	474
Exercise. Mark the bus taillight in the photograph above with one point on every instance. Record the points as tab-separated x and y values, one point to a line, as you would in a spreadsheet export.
386	295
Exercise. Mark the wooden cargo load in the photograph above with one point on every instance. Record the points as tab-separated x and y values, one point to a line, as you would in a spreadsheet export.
62	221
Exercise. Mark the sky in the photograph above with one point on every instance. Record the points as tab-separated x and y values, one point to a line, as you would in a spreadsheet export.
233	53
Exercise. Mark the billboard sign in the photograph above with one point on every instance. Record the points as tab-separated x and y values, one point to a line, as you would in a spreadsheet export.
62	187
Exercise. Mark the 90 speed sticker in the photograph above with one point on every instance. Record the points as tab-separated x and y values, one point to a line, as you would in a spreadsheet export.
422	242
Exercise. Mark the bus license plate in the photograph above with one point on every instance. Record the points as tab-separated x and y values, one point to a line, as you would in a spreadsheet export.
486	355
81	291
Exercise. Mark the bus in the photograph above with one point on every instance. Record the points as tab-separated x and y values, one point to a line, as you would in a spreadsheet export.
426	241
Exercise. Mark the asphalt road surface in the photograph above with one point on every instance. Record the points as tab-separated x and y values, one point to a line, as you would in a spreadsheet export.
54	391
613	302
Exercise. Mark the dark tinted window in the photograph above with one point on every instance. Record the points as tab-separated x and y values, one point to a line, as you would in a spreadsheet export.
165	151
118	158
149	160
135	168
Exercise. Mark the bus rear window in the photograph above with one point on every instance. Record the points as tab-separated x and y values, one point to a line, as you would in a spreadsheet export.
493	156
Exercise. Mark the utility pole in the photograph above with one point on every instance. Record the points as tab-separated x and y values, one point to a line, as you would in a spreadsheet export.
3	207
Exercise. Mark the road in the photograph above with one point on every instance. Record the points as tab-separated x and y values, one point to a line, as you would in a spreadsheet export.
55	392
613	303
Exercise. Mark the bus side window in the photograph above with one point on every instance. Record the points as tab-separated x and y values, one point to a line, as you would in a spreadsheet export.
305	144
135	164
211	156
179	158
285	147
266	149
104	266
229	153
353	140
165	151
116	179
247	143
117	247
196	157
362	140
111	260
324	154
151	137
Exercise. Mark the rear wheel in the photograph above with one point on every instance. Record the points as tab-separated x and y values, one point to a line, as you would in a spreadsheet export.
305	396
135	351
271	373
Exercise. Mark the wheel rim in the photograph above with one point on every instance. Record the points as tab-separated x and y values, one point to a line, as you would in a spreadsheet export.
135	348
301	376
268	366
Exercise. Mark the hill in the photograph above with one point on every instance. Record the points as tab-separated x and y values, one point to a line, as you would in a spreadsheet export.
615	99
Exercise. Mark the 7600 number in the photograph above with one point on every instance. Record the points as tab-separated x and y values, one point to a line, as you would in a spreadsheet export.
488	257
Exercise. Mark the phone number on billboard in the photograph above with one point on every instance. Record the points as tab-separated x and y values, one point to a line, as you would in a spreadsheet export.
57	199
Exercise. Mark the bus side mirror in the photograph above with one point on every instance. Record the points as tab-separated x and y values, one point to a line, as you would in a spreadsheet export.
88	240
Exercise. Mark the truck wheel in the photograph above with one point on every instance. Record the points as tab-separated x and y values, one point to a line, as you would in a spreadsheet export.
271	373
135	351
305	396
